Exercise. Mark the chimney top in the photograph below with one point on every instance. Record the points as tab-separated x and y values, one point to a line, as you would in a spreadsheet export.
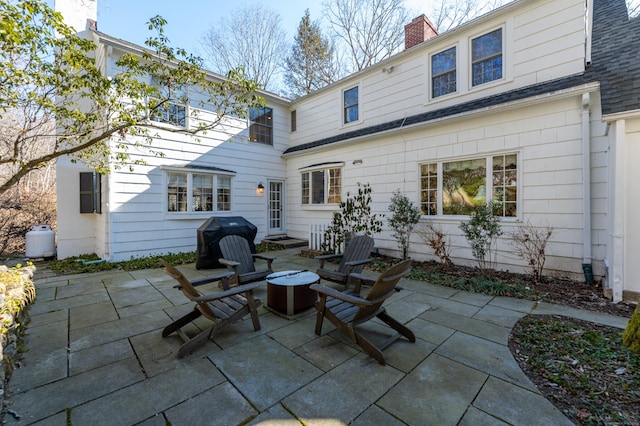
418	30
78	14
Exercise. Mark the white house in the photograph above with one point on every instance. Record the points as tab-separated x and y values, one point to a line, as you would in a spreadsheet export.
535	105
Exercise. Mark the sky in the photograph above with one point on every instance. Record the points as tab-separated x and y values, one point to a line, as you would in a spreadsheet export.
188	20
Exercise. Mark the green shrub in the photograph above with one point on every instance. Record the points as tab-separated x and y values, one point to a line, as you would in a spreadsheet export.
482	232
404	217
631	335
354	218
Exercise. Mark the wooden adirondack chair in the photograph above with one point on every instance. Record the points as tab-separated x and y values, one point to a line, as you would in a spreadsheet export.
356	254
348	309
222	308
238	258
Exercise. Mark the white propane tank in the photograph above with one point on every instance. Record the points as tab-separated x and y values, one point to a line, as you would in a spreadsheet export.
40	242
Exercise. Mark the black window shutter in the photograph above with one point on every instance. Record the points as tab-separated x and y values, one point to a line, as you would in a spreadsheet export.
90	192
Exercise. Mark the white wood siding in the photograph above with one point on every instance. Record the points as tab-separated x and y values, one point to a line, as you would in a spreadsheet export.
543	40
548	140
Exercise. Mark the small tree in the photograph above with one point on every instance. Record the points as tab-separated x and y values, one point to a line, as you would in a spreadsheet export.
530	243
354	218
482	232
404	217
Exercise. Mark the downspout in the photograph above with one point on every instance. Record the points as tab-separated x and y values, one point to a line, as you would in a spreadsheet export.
587	267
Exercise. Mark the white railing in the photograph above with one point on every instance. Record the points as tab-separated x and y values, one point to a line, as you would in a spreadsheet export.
316	236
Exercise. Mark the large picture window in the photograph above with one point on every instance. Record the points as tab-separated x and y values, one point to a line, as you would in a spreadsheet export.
194	192
456	187
322	186
350	105
486	57
443	73
261	127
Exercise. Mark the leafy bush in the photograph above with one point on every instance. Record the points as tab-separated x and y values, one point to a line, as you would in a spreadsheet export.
354	218
404	217
631	335
16	292
482	232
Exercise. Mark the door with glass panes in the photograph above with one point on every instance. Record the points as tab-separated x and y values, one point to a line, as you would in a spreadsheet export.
276	207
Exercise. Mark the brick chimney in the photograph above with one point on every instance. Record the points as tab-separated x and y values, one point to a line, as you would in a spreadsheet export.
418	30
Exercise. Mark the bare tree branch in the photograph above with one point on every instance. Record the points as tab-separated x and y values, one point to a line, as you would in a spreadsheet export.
252	38
369	30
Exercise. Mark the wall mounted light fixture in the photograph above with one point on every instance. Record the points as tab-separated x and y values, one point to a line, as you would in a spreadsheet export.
357	161
260	189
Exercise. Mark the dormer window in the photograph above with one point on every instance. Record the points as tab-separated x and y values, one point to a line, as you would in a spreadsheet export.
486	57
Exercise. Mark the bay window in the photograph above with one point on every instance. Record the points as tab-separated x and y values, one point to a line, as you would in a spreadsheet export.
193	191
322	186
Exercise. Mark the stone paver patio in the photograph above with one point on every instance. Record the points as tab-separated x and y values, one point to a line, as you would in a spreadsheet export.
95	356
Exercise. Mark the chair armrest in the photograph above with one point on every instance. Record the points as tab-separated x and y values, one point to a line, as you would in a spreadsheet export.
263	256
212	278
360	279
269	259
226	293
345	297
355	263
324	257
327	256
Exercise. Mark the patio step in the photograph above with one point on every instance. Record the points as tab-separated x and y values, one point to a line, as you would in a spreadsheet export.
287	242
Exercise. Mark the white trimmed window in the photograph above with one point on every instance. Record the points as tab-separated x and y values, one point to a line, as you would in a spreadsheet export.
486	58
350	105
261	125
454	188
443	73
174	112
322	185
197	191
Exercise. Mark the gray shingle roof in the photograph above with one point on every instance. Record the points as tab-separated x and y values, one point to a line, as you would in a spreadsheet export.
615	64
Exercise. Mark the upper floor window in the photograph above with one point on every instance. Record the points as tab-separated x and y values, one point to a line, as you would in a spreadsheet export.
172	108
350	105
261	127
294	124
486	57
456	187
443	73
322	186
194	192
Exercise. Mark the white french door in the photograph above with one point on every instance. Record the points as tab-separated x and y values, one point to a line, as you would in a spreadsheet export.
276	207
